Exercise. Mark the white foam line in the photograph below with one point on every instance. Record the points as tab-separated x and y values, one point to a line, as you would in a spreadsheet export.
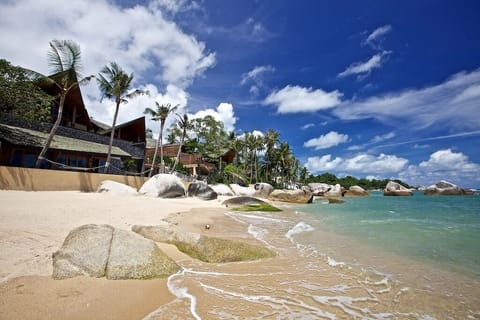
331	262
210	273
182	293
231	215
270	301
346	304
251	216
300	227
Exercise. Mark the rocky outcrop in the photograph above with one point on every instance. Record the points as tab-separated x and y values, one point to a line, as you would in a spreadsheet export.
201	190
241	201
163	186
319	189
291	196
335	191
262	190
446	188
242	191
356	191
222	189
395	189
116	188
101	250
214	250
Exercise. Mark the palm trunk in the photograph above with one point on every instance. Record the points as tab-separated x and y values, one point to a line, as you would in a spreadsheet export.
152	169
162	163
52	131
112	135
177	159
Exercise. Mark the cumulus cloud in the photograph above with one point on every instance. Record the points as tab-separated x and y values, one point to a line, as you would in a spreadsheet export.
444	164
383	137
452	104
375	38
140	39
364	164
223	113
307	126
294	99
326	141
365	68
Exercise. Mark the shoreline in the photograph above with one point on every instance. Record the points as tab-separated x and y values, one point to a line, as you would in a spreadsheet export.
34	225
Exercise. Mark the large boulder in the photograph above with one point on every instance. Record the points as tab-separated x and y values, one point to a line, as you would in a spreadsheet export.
101	250
116	188
201	190
446	188
214	250
356	191
335	191
292	196
319	189
222	189
163	186
262	190
395	189
242	191
242	201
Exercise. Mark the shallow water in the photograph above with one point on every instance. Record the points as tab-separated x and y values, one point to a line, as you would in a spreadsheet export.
354	260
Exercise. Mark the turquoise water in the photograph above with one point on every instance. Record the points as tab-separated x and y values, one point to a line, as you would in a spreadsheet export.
443	230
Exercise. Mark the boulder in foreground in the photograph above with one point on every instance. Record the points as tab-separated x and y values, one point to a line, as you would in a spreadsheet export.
207	249
395	189
101	250
262	190
222	189
242	201
201	190
116	188
356	191
163	186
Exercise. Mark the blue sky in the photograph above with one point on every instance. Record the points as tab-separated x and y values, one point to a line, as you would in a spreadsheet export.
384	89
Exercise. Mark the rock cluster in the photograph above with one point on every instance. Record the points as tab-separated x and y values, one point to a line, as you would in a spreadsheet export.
102	250
395	189
163	186
201	190
292	196
446	188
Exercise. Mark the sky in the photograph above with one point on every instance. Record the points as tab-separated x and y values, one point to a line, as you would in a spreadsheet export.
372	89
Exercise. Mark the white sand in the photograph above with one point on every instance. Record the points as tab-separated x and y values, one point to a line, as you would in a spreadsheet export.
34	224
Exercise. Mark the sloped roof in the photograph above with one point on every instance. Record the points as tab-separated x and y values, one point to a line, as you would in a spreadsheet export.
32	138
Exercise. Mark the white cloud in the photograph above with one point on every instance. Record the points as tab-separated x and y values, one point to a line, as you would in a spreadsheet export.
223	113
256	133
307	126
174	6
256	73
293	99
365	68
363	164
444	165
383	137
326	141
374	39
452	104
140	39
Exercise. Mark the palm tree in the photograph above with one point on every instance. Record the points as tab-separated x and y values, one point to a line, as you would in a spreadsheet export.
183	124
64	58
271	139
114	83
161	113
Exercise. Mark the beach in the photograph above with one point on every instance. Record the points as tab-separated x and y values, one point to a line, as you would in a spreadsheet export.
34	225
317	273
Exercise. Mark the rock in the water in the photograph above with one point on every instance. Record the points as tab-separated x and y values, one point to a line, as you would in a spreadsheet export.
135	257
292	196
116	188
222	189
262	190
242	191
335	201
163	186
356	191
446	188
335	191
201	190
84	252
395	189
319	189
214	250
101	250
241	201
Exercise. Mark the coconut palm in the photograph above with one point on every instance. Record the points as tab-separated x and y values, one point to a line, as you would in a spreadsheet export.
64	59
184	125
160	114
271	139
114	83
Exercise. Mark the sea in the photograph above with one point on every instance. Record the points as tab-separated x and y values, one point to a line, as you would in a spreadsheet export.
370	257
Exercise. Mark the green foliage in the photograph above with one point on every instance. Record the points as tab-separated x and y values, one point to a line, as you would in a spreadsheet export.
349	181
257	207
20	97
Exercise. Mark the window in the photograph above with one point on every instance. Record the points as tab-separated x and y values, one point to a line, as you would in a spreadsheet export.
16	159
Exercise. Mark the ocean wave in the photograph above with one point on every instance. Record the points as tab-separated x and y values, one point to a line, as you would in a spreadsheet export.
331	262
182	293
300	227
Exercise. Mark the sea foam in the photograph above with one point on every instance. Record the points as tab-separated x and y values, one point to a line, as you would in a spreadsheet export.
300	227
